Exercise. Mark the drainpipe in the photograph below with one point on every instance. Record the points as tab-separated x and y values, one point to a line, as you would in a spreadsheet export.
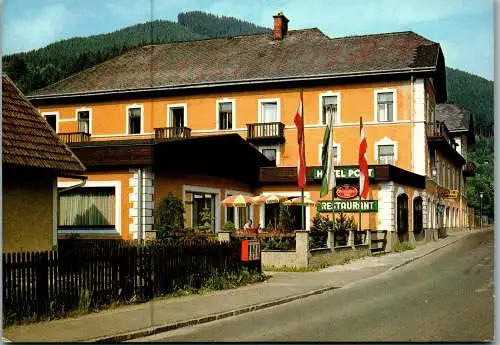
139	205
412	121
80	184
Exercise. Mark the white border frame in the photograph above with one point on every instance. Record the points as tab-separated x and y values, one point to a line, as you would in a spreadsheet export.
236	192
233	113
53	113
394	104
177	105
268	100
320	108
118	207
90	117
200	189
131	106
386	141
339	150
289	194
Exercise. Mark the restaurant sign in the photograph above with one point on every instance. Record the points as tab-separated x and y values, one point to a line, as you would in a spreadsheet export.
348	206
342	173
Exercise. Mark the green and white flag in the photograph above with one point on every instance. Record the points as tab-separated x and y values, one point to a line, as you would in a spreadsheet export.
328	182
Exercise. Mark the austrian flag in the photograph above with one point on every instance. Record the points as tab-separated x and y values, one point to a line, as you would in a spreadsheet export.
364	184
301	160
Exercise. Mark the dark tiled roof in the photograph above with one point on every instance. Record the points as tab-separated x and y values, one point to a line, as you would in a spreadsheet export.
301	54
454	117
27	139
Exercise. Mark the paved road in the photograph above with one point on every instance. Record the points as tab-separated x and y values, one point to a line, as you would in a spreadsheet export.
446	296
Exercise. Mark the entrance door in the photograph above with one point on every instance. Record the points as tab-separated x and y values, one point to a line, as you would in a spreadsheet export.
417	216
402	215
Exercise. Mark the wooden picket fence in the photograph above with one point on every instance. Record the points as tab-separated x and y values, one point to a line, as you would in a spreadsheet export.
48	283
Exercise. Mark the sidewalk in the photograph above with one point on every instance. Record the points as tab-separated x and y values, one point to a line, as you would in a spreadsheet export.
136	321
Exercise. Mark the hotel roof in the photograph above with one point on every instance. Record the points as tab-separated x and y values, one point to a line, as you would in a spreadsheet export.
254	59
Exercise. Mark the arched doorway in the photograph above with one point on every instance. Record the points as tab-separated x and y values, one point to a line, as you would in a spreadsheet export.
402	217
417	216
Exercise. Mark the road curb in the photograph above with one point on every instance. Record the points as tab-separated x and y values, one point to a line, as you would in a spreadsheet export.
425	254
172	326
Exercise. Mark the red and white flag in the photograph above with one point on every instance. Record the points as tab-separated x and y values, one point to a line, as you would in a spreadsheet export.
364	185
301	160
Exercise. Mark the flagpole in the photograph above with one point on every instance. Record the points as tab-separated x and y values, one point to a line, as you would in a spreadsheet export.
359	193
333	171
303	147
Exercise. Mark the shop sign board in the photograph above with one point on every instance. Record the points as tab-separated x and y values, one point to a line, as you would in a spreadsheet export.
451	194
342	173
346	191
348	206
250	250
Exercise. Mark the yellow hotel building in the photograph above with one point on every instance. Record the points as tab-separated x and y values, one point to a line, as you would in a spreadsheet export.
212	118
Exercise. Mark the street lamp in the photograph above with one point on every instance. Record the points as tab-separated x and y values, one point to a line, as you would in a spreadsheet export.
481	194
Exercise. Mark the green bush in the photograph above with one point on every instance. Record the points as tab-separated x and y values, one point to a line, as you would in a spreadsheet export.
169	216
229	226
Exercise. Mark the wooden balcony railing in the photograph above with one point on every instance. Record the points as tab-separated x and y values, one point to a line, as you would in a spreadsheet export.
469	169
173	133
438	130
74	137
267	131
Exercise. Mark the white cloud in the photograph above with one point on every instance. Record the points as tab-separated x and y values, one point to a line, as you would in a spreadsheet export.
36	28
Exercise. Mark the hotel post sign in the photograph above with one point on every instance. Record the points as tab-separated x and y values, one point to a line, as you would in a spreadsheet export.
342	173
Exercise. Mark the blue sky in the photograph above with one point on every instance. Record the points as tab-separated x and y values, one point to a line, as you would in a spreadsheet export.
464	28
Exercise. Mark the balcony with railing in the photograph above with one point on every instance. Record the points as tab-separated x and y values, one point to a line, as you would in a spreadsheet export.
439	137
266	133
74	137
469	169
172	133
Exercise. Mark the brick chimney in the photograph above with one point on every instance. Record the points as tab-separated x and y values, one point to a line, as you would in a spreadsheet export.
280	26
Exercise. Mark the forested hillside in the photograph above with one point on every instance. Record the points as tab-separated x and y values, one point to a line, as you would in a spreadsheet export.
41	67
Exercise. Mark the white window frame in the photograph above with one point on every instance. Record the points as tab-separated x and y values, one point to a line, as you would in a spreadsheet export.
338	146
268	100
118	210
132	106
177	105
52	113
394	104
233	113
229	192
90	117
276	147
199	189
386	141
320	113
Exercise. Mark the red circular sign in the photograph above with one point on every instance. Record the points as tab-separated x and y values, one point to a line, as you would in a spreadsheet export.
346	192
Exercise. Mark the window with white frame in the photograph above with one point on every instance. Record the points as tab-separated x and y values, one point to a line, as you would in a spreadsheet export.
87	207
385	154
269	111
329	109
134	120
225	115
52	120
270	153
83	117
176	116
385	106
335	154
